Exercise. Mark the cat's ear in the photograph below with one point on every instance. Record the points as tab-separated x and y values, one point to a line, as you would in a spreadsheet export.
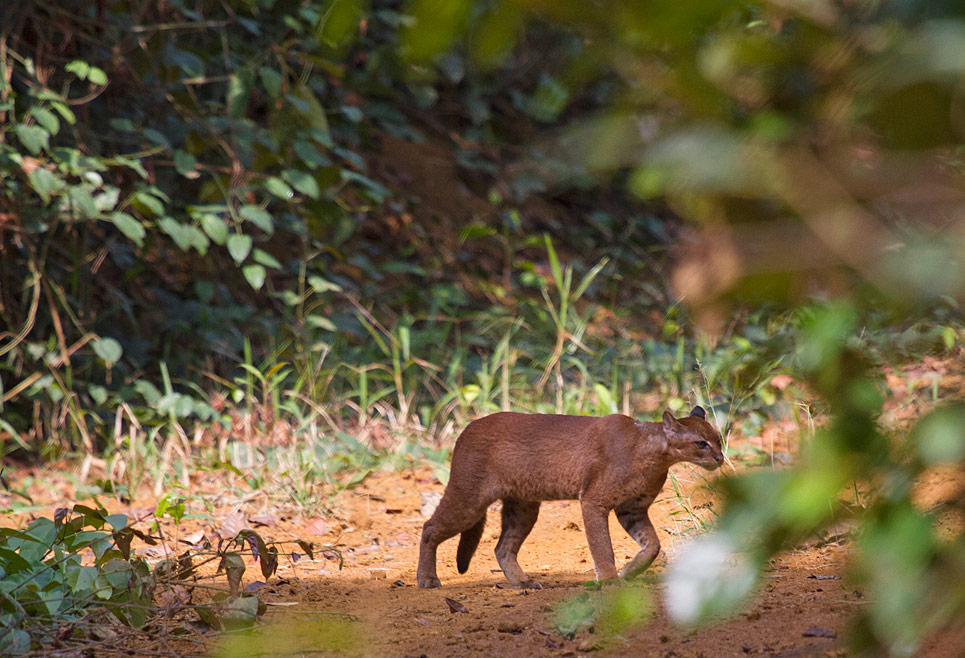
699	412
670	423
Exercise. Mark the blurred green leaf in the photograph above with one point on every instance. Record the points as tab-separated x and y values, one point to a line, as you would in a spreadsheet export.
239	245
97	76
129	226
352	113
266	259
177	232
896	550
65	112
34	138
257	216
575	615
549	100
148	204
339	21
940	436
310	154
624	608
184	163
435	25
47	119
494	36
319	284
108	349
279	188
312	111
255	275
216	228
271	79
475	231
82	201
320	322
79	68
826	332
45	183
238	94
302	182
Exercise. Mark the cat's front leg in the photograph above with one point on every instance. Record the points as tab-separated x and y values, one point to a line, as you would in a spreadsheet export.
634	517
598	537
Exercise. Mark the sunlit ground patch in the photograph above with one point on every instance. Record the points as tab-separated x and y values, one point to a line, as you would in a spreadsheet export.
316	634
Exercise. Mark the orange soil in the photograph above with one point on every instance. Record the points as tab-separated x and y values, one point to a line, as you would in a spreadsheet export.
371	607
804	588
380	545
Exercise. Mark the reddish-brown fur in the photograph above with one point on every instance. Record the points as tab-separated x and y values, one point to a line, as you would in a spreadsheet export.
607	463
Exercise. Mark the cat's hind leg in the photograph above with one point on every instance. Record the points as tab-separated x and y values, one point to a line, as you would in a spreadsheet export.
519	517
453	516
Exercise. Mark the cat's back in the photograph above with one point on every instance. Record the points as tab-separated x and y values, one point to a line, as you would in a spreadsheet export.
510	427
510	437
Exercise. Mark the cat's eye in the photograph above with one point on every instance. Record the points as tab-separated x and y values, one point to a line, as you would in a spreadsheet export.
703	445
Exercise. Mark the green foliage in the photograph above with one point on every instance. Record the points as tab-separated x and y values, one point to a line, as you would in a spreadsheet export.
48	586
61	576
215	196
608	611
219	187
786	131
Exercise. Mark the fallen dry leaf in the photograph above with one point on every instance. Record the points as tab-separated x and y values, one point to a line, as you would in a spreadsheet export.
317	526
819	631
232	525
194	539
455	606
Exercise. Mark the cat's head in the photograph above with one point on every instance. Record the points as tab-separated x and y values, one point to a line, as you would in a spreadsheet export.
693	439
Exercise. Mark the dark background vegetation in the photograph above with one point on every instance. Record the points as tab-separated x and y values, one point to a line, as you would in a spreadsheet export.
267	234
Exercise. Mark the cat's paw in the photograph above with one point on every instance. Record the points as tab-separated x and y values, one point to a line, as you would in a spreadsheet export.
429	583
629	573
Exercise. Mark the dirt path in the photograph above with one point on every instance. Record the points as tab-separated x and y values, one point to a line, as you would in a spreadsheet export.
372	607
806	594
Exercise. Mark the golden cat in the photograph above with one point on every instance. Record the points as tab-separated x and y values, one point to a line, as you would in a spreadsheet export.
607	463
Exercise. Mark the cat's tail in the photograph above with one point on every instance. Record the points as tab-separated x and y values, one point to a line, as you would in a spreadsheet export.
468	542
